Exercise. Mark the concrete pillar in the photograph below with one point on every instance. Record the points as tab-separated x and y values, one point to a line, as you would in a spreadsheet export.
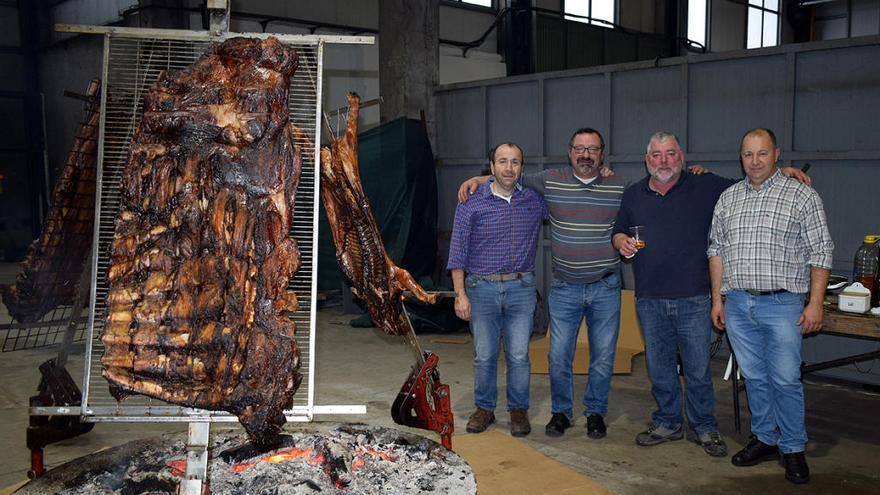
408	59
164	14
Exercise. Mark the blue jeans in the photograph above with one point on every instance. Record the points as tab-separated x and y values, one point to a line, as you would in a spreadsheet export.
767	344
672	327
497	307
599	302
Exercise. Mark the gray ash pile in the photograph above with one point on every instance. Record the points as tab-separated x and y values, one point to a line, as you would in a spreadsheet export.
348	459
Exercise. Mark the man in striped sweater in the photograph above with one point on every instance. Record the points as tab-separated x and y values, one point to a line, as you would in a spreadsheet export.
586	282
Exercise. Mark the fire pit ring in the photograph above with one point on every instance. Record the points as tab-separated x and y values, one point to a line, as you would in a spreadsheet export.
344	459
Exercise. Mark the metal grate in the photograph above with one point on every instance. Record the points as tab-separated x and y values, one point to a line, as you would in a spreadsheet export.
132	65
69	222
46	332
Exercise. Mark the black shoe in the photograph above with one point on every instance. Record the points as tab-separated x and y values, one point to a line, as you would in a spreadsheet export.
755	452
557	425
595	426
796	469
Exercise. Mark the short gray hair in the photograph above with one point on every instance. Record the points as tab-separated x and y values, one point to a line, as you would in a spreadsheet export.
661	136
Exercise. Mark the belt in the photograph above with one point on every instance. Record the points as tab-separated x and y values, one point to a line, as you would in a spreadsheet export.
764	292
504	277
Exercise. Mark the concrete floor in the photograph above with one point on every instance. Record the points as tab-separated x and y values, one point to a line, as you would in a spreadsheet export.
363	366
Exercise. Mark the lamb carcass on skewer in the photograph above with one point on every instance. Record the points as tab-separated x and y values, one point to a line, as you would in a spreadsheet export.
55	261
374	278
423	401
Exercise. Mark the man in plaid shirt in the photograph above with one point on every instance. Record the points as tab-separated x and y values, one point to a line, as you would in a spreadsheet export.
492	259
769	245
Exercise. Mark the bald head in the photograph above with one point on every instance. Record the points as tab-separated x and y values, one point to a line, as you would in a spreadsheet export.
759	131
759	154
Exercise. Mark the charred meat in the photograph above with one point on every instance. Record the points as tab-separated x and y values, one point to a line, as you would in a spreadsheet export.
52	268
374	278
201	256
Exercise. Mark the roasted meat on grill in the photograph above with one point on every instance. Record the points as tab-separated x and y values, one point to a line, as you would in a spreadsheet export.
374	278
54	263
201	257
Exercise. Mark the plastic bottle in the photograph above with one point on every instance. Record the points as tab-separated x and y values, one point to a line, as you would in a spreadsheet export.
875	295
866	266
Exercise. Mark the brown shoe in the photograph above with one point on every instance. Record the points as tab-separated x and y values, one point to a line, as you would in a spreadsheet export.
519	422
480	420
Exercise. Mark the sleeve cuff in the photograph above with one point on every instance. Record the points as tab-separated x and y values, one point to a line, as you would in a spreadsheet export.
821	262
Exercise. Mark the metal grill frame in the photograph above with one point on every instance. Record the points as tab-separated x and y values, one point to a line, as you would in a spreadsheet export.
152	410
67	317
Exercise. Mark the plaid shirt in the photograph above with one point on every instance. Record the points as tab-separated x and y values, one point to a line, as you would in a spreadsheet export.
769	239
491	236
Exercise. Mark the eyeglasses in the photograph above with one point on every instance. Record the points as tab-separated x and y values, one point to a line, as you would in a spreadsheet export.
581	149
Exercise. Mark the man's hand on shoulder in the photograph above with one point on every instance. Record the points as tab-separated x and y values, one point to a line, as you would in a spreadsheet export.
797	174
605	171
470	186
698	169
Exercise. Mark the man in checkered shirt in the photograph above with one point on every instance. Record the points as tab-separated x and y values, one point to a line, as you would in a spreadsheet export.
769	245
492	259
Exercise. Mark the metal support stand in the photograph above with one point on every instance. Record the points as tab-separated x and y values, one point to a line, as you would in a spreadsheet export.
423	401
79	302
733	373
195	480
57	388
858	358
736	385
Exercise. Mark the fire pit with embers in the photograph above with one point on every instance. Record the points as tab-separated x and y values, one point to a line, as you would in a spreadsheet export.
349	459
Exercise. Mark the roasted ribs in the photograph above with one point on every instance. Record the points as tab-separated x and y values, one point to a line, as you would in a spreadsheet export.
54	263
361	255
201	257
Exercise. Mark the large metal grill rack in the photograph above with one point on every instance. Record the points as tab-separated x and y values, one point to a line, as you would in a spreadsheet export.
133	60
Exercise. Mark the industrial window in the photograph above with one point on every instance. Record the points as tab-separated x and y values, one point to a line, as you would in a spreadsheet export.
479	5
763	25
590	11
697	21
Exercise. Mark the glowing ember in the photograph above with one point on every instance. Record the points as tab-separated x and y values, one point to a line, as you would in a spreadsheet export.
291	454
237	468
357	463
282	456
178	467
382	455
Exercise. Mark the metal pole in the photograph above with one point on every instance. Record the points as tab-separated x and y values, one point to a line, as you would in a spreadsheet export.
218	13
79	301
195	478
735	381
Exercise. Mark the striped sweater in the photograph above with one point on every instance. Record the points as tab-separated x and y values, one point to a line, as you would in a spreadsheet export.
581	220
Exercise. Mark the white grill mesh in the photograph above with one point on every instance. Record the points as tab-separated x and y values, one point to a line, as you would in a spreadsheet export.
133	65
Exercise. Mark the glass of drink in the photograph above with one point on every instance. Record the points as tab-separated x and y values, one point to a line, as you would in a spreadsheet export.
637	232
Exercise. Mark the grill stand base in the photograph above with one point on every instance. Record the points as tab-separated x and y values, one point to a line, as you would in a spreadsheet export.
194	482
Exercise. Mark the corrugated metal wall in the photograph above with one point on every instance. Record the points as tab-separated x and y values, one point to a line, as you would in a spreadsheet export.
822	99
563	44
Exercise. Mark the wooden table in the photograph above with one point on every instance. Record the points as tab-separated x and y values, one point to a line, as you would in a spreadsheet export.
861	326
